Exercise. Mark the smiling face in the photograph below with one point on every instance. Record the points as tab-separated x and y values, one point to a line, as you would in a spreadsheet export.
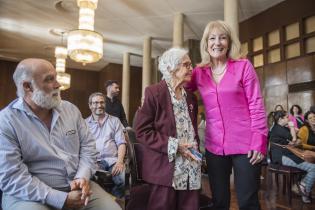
97	105
311	119
218	44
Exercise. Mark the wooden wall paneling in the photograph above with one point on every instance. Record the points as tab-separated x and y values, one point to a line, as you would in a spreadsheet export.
277	94
301	69
135	92
260	74
7	86
303	99
275	74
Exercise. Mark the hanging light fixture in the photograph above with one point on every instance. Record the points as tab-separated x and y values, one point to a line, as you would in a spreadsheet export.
63	78
84	44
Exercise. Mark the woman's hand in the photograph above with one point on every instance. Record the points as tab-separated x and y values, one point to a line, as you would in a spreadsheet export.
255	157
183	150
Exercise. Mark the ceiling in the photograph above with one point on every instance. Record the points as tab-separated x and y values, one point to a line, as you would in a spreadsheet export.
31	28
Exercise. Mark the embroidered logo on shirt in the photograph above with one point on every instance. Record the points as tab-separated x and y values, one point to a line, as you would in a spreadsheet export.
70	132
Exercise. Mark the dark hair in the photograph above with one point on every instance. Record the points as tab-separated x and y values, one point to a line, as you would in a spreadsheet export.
278	105
312	108
277	115
202	115
110	82
306	116
297	106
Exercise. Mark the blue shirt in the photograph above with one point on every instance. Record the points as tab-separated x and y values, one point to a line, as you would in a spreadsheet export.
109	134
36	163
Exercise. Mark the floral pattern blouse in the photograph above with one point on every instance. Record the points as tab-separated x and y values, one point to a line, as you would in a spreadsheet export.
185	170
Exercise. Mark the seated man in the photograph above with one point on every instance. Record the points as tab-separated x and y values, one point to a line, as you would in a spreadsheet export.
47	154
110	141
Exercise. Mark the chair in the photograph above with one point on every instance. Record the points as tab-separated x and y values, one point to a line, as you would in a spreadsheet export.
104	179
290	176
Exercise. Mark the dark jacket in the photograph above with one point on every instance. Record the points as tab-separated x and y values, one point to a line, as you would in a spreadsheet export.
155	122
115	108
281	135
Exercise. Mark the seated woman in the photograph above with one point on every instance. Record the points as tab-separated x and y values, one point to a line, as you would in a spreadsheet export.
307	132
296	116
166	126
280	134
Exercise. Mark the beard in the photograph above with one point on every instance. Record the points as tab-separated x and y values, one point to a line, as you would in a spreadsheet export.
46	100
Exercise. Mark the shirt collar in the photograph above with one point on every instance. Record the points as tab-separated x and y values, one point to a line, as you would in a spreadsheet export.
172	92
91	119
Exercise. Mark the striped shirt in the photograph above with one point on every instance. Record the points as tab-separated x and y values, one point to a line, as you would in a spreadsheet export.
38	163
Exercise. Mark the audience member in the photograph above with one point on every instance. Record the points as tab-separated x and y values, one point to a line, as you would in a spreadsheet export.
166	126
296	116
113	105
307	132
110	141
47	154
280	134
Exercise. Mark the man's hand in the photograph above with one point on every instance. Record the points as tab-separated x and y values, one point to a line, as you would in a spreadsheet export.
118	168
83	185
73	200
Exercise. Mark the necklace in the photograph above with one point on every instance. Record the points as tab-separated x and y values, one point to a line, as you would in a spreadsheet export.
222	70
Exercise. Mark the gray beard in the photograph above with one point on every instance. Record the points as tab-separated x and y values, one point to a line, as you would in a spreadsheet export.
46	101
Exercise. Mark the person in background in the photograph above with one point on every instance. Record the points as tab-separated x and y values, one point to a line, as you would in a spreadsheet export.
307	132
166	127
110	141
296	116
113	105
279	107
280	134
47	154
201	131
236	128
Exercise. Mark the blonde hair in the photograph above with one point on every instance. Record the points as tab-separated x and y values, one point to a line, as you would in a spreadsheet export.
234	48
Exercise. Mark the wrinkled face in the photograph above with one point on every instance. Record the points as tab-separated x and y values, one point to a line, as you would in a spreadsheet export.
311	119
114	89
218	44
295	110
97	105
183	73
46	92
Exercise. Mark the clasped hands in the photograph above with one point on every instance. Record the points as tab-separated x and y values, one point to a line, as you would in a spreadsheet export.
79	195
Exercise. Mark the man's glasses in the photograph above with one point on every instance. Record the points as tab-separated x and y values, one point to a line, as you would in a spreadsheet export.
94	103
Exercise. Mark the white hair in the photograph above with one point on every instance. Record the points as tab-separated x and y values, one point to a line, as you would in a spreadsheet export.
22	73
170	60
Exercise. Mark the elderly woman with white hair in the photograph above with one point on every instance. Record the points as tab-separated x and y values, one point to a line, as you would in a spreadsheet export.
166	127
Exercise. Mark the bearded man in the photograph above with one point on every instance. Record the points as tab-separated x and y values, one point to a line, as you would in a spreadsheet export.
47	154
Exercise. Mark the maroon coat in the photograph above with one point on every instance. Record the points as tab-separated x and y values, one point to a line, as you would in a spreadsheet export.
155	122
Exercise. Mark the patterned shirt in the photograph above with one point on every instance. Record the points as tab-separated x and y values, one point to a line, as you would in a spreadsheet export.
109	134
37	164
185	170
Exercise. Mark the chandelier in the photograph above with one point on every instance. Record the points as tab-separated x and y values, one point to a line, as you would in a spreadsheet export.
63	78
84	44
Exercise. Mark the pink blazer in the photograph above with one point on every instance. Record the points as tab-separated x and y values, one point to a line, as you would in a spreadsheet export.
235	114
293	119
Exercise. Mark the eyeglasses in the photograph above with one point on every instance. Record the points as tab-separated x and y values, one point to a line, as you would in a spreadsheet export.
187	65
94	103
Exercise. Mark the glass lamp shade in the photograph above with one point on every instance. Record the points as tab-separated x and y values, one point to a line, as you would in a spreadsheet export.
61	52
60	65
64	80
92	4
85	46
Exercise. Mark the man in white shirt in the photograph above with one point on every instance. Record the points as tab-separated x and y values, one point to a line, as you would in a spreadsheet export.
47	154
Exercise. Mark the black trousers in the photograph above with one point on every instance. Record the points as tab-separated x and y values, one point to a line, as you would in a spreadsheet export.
246	179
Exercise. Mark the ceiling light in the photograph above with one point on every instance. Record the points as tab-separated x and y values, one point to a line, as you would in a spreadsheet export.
84	44
63	78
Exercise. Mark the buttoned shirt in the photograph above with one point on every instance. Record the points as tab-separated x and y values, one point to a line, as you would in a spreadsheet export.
37	163
108	134
235	113
185	170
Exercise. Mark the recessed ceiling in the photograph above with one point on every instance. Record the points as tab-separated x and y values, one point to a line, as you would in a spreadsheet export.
27	27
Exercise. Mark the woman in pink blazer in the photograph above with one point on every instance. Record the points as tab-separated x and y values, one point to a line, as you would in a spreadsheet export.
236	129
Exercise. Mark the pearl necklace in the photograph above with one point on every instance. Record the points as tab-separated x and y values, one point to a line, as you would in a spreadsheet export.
223	69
